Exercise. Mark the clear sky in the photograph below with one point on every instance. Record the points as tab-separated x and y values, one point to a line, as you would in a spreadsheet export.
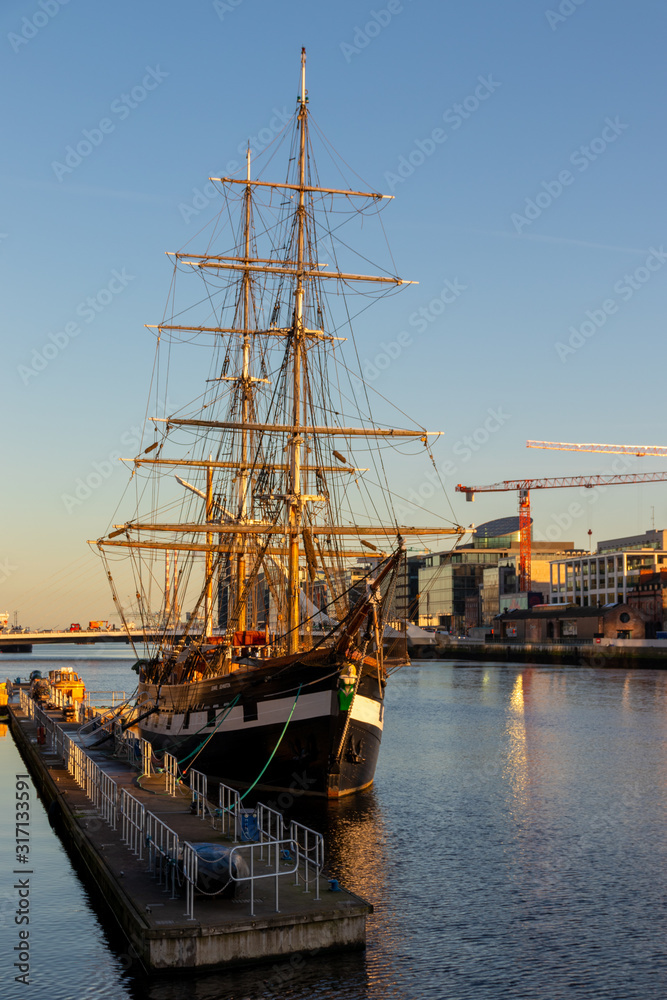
525	144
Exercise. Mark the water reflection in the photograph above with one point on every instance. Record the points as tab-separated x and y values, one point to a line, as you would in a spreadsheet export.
513	846
516	765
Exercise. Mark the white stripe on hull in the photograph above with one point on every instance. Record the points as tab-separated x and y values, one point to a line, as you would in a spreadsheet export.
274	711
367	710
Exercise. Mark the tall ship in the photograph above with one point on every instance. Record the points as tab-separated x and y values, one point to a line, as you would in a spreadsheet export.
251	509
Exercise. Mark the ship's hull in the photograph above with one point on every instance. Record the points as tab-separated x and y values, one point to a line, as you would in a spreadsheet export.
325	749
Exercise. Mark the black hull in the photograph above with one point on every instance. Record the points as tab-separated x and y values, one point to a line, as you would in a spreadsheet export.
326	750
301	766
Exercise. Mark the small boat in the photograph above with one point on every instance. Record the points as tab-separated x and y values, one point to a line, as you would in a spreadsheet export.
4	699
63	688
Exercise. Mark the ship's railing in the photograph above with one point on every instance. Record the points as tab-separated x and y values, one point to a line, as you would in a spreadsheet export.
190	868
229	810
309	847
199	786
281	860
162	844
133	817
27	704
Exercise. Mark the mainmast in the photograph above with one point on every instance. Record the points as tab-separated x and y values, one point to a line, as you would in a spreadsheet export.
245	410
295	506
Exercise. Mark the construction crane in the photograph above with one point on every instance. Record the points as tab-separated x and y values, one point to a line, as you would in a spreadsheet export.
523	488
640	450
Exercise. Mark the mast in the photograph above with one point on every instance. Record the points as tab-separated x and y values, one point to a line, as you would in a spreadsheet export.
295	509
245	410
208	596
176	609
167	599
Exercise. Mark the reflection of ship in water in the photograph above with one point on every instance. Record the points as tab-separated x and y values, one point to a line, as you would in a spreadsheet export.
355	835
361	853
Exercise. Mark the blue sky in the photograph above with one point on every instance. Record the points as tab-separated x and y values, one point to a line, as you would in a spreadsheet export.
524	144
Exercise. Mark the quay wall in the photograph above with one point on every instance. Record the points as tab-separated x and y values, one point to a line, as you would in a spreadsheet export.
115	903
585	654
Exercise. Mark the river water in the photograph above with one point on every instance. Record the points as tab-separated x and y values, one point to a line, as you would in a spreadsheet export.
514	846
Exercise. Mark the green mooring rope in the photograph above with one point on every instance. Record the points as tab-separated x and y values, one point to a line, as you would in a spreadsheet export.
289	719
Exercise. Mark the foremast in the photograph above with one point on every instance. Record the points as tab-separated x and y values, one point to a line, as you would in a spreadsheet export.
295	500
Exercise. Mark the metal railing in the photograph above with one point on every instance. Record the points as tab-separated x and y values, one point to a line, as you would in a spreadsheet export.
270	825
190	870
280	853
43	720
116	696
309	847
170	764
199	786
133	816
108	803
271	856
162	845
146	750
229	810
101	720
127	745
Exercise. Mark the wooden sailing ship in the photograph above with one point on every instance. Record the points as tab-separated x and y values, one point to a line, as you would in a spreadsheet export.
277	678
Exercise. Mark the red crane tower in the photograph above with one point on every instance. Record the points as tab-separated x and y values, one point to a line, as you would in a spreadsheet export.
524	486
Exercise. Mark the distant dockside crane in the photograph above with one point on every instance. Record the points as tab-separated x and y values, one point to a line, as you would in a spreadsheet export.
640	450
524	486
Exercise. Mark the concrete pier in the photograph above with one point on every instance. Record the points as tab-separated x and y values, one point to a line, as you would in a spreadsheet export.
222	932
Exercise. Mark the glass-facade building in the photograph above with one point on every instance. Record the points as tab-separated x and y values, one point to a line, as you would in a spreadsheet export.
603	578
